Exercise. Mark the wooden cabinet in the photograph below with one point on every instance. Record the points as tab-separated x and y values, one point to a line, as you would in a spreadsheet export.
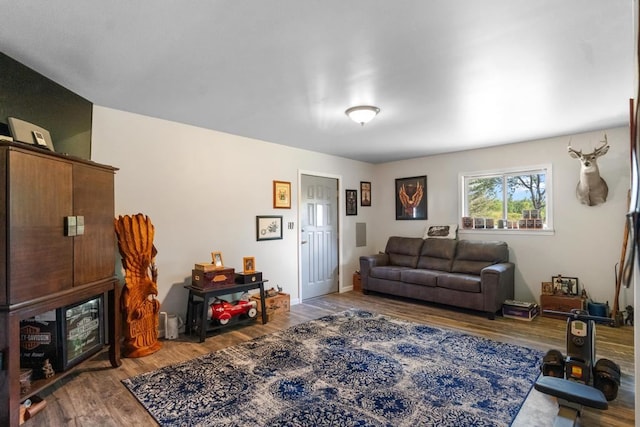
43	266
564	303
39	197
93	199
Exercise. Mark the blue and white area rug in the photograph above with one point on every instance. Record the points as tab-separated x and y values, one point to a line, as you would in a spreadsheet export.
354	368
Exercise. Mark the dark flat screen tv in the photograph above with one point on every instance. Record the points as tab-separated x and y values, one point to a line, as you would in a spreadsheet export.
27	95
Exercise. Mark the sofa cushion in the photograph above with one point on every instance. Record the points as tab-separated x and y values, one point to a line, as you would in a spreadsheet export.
404	251
459	282
419	277
437	254
388	272
472	256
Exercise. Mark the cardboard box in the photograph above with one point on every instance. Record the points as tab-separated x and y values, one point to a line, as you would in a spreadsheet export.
520	310
209	279
274	305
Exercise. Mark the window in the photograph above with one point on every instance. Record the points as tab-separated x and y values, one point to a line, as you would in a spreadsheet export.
507	199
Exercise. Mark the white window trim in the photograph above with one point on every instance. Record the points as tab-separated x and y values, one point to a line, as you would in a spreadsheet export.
462	199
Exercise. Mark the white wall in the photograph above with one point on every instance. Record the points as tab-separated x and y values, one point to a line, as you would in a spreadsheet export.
203	189
587	242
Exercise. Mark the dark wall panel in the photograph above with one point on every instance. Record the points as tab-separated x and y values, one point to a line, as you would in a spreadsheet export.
30	96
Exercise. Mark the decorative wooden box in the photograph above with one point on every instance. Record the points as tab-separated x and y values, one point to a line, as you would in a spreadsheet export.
357	283
274	305
256	276
208	279
564	303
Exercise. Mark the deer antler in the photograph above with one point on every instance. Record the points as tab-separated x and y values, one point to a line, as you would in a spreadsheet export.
603	147
573	153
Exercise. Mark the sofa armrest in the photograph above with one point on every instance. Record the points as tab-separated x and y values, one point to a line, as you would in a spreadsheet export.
367	262
497	282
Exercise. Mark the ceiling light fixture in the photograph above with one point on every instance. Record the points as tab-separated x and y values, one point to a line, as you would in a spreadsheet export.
362	113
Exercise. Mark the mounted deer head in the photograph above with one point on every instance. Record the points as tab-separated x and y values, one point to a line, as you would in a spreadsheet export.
592	189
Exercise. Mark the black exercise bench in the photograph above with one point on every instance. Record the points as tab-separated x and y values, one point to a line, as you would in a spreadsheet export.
572	396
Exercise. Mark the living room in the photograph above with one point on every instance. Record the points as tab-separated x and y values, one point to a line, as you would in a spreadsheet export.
203	189
166	183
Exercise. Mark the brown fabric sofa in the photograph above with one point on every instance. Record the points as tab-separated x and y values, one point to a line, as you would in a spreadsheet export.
470	274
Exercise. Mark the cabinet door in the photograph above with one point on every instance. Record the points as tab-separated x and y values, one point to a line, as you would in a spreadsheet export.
40	256
94	251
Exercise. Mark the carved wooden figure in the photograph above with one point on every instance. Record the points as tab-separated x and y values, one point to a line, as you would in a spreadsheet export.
138	300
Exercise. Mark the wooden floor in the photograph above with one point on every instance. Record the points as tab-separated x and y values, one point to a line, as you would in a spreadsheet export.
94	395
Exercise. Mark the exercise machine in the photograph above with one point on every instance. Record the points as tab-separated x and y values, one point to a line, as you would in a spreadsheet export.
577	380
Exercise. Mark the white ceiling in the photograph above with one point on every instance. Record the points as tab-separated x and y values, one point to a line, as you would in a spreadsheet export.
448	75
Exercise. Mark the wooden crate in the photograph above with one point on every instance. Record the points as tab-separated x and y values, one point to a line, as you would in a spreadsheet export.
275	305
357	284
560	303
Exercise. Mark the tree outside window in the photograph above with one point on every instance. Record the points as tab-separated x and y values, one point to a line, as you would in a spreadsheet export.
511	196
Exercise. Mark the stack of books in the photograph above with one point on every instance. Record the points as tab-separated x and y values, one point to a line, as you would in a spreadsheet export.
520	310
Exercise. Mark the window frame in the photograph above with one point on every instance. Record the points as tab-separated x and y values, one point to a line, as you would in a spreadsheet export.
502	173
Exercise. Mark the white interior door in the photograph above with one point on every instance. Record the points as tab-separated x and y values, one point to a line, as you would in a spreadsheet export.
319	239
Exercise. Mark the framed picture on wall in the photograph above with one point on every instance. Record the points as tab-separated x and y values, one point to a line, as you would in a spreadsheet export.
365	193
268	227
281	195
352	202
411	198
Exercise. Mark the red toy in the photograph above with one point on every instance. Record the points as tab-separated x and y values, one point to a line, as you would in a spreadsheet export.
223	311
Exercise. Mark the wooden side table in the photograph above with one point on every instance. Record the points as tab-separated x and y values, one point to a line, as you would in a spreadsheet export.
564	303
199	298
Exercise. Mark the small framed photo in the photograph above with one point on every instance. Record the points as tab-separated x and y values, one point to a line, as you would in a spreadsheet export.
565	285
352	202
216	259
365	193
411	198
248	265
281	195
547	288
268	227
